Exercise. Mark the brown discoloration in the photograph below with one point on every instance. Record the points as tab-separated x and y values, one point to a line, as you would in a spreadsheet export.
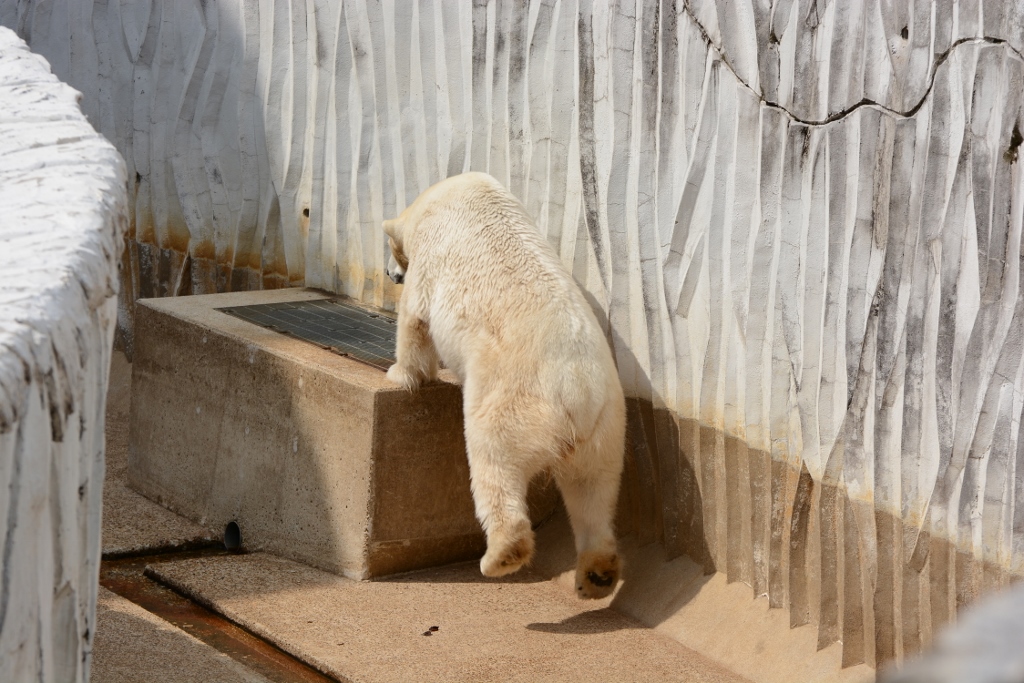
204	249
169	262
274	281
421	329
566	448
176	239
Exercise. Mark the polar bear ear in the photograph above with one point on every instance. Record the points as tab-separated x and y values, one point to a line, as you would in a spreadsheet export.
391	228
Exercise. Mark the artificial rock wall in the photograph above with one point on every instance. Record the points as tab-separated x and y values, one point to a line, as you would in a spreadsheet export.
801	220
63	214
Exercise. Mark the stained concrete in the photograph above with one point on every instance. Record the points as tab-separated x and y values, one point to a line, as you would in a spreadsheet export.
317	457
133	645
131	523
523	629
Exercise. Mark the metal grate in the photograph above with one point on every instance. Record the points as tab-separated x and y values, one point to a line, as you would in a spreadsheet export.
330	324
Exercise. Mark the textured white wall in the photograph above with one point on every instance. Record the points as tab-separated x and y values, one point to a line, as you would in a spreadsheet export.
802	219
63	214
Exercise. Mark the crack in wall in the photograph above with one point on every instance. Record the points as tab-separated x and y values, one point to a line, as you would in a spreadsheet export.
832	118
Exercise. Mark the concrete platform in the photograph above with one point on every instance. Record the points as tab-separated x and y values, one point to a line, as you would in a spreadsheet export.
520	628
133	524
315	456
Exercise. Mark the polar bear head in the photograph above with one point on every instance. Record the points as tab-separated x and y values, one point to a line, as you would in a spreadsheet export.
434	207
399	262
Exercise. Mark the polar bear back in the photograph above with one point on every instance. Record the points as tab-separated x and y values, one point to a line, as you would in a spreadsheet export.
503	310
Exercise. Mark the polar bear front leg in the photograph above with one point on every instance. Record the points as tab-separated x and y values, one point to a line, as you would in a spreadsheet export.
499	482
415	355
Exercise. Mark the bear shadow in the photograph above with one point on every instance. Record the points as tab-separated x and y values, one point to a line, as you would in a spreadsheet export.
604	620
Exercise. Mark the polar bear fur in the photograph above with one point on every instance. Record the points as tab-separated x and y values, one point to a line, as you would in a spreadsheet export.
486	293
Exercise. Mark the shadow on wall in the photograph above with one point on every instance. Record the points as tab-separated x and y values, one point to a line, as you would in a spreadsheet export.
692	493
661	497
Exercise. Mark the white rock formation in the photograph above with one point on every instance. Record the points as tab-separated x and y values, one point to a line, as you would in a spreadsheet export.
63	214
801	219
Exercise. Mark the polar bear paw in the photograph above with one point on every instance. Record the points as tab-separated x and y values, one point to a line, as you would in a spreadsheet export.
597	573
403	378
508	552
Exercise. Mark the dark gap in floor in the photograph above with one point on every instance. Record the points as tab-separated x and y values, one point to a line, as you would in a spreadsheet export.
178	550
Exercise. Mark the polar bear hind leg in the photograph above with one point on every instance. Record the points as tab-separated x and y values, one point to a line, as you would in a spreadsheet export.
500	473
590	496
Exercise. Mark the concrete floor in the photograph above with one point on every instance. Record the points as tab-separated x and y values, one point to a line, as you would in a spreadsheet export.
526	629
133	645
529	628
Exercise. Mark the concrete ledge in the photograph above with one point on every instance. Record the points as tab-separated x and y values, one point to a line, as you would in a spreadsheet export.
317	457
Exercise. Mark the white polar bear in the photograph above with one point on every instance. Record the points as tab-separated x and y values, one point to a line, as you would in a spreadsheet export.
486	293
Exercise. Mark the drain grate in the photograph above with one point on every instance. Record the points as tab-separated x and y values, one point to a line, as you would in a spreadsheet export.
330	324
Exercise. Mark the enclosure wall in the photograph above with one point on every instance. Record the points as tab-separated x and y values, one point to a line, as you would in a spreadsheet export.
63	214
800	220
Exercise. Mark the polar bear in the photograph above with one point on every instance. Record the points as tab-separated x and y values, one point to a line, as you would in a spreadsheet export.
485	293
